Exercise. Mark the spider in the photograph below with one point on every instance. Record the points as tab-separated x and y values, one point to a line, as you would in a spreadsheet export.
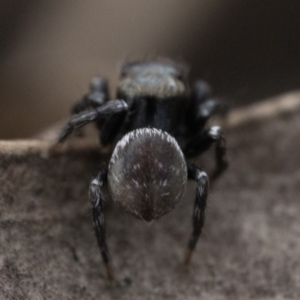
156	129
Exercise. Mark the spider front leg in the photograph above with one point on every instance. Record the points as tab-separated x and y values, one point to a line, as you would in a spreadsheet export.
97	96
203	105
203	142
201	108
98	217
201	178
77	121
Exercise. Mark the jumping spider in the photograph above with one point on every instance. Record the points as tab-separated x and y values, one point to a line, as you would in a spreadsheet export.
148	169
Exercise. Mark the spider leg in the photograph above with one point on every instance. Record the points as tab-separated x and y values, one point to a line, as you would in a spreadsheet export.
77	121
98	217
201	178
202	107
203	142
96	97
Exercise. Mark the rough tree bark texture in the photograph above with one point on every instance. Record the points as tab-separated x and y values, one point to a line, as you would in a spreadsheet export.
250	248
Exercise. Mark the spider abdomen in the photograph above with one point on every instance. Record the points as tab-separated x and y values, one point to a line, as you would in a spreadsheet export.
147	173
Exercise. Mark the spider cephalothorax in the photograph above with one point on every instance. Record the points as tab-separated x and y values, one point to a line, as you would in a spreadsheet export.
148	170
152	79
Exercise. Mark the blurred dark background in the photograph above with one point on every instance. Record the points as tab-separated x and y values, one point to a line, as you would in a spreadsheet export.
49	50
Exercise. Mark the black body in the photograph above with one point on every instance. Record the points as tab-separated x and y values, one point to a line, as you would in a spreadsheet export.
148	170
